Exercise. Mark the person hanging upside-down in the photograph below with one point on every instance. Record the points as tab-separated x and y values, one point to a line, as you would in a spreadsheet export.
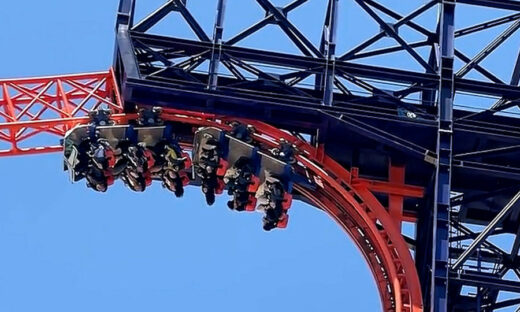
173	181
238	178
169	163
137	175
98	179
140	157
102	154
137	182
83	159
207	167
270	197
239	202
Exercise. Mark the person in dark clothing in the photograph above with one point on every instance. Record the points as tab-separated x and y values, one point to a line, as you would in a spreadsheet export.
209	186
242	132
140	160
239	201
169	165
173	181
97	180
238	178
206	168
133	180
102	154
170	155
83	160
270	198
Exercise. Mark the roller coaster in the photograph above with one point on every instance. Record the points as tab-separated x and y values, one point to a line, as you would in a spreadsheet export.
371	145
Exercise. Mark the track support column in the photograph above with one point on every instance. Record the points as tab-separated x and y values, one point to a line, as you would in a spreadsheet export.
441	213
325	81
216	53
125	62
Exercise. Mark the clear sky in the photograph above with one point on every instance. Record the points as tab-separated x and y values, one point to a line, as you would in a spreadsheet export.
65	248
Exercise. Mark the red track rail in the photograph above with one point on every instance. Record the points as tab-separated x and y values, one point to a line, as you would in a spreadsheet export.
349	201
366	221
30	108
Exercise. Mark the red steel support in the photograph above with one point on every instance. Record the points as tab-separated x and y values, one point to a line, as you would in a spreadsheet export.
396	201
34	111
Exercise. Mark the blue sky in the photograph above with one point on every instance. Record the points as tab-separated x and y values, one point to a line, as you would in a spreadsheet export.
66	248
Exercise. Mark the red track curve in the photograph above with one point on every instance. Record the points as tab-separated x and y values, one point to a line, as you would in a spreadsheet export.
29	107
352	206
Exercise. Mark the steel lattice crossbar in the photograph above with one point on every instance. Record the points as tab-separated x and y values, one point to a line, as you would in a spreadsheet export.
35	113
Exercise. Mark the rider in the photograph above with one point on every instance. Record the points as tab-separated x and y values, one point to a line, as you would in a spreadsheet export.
173	182
242	132
169	166
102	154
207	167
83	159
99	160
270	196
120	153
137	174
97	179
238	178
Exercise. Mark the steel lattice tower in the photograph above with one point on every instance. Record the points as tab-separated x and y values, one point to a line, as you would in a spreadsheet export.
421	130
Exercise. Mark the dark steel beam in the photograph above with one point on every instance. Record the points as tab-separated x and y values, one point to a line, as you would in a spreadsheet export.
487	231
216	53
441	207
384	137
192	22
487	25
473	236
328	48
393	33
477	67
428	94
483	280
497	4
304	63
516	246
488	170
381	51
125	13
484	256
394	15
515	77
126	53
355	54
152	19
488	152
503	304
268	19
492	46
400	22
304	44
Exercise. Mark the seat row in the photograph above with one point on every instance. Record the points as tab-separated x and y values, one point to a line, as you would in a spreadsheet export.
257	179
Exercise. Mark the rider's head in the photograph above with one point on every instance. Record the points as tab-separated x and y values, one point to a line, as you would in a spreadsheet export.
101	187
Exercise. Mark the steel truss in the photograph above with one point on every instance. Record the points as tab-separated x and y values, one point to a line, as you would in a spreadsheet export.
404	126
35	109
414	124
